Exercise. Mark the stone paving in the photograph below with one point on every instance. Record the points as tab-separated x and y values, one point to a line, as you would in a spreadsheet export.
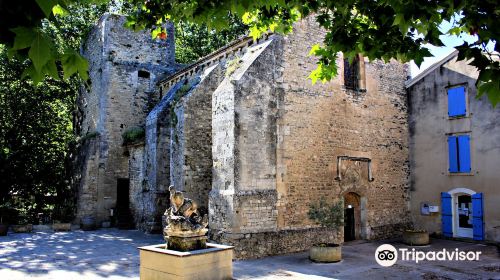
112	254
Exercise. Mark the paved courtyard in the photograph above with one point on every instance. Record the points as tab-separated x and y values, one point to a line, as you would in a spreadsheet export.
112	254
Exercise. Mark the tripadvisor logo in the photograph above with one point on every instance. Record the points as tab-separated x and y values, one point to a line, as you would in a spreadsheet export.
386	255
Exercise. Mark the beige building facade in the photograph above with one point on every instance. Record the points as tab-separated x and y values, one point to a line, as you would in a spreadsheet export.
454	153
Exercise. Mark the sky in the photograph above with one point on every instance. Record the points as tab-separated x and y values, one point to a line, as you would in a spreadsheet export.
440	52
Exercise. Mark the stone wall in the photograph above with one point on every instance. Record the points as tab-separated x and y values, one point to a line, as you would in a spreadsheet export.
277	138
243	131
250	136
191	140
124	68
86	175
142	204
321	122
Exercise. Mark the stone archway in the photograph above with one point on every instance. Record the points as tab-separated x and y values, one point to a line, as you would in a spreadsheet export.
353	216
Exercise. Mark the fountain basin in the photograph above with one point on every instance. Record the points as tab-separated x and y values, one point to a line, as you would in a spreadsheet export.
214	262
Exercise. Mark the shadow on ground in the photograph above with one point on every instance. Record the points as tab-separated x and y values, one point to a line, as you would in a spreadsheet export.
359	263
112	254
100	253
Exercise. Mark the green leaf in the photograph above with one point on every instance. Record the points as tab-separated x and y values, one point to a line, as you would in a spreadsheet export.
23	39
492	90
57	10
314	49
40	51
315	74
46	6
156	32
398	19
51	69
35	76
73	63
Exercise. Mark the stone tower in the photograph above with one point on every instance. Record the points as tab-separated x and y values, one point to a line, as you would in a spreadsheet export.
124	67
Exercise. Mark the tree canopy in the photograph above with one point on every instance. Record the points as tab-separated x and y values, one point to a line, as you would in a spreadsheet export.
36	133
378	29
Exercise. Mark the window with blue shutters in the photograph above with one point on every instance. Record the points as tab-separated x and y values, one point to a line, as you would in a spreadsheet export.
459	154
457	102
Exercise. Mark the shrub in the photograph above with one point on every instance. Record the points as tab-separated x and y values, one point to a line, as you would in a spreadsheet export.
133	135
327	215
89	135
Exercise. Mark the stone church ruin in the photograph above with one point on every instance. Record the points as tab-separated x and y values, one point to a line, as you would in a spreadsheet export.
245	134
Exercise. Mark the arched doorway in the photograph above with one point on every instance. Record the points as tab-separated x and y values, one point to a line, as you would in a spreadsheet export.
462	212
352	216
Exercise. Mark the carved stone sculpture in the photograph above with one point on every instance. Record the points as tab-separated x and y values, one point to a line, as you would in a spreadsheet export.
186	228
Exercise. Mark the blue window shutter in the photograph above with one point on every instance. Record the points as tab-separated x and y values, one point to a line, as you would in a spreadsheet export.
446	214
452	154
464	153
456	102
477	216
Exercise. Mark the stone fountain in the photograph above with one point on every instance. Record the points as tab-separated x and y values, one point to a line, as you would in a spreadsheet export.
186	228
186	254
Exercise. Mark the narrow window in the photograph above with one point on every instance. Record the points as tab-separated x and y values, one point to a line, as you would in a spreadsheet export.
459	154
351	73
457	102
143	74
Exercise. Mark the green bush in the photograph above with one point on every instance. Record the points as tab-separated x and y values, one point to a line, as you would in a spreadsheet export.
89	135
133	135
327	215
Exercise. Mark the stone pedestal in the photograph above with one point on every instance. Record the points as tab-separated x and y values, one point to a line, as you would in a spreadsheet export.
186	240
185	244
214	262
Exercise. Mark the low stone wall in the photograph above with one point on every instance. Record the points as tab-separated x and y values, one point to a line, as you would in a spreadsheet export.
389	230
262	244
258	245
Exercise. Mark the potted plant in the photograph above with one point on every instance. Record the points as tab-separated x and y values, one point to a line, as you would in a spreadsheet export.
23	223
416	237
329	216
62	217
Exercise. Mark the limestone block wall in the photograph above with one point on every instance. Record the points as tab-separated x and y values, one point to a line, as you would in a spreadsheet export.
157	159
243	197
277	138
191	139
142	203
321	122
86	174
124	67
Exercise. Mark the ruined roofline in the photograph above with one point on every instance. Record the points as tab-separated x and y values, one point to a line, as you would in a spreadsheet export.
207	60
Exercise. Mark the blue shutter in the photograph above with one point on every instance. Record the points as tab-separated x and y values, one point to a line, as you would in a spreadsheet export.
477	216
456	102
446	215
464	153
452	154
